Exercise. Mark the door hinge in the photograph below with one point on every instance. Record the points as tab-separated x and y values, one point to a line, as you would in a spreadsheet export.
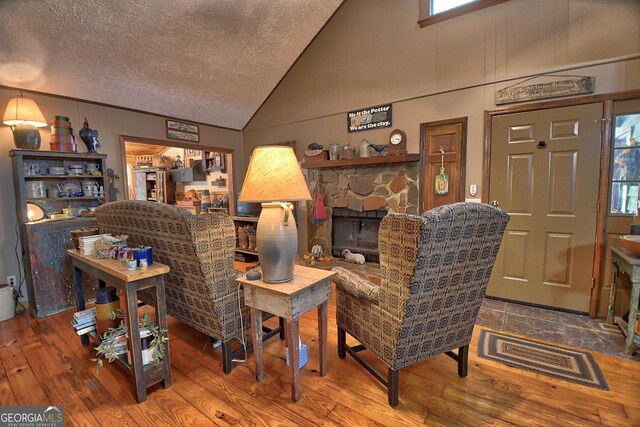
593	282
598	207
603	121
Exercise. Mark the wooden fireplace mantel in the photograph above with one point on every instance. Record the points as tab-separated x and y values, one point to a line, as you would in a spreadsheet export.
361	161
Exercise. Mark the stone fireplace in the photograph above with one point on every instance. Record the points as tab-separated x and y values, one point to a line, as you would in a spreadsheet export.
356	199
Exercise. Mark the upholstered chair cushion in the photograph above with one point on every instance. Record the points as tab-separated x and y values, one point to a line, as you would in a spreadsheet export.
356	285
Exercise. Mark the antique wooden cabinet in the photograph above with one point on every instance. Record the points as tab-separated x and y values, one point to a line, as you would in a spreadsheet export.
51	181
154	184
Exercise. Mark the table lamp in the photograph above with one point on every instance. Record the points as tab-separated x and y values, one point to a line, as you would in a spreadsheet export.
34	212
273	179
24	117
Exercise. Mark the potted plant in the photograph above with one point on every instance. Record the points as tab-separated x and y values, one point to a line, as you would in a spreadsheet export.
114	341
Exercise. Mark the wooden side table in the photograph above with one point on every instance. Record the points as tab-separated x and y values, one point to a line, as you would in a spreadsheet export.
130	282
624	261
309	288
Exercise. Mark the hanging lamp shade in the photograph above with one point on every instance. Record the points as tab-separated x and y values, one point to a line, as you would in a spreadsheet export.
274	177
24	117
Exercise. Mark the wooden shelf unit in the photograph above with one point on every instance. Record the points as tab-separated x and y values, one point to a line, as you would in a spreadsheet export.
239	221
48	272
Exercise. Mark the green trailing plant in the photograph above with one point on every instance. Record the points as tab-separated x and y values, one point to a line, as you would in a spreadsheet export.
109	350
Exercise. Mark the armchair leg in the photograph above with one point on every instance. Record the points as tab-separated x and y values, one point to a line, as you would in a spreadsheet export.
227	355
342	341
393	378
463	360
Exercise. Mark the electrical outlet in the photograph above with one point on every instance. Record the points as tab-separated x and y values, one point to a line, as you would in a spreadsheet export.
11	281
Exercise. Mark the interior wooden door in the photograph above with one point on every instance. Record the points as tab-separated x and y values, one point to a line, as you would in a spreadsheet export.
544	173
443	145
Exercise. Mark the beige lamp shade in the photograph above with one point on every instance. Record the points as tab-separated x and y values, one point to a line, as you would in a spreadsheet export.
274	175
21	110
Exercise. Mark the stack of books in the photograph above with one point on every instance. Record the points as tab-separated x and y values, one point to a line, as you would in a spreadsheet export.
84	321
87	243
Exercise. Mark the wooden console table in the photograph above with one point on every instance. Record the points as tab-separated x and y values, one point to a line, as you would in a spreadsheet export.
130	282
309	288
624	261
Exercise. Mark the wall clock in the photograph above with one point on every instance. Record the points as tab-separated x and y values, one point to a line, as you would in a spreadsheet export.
397	142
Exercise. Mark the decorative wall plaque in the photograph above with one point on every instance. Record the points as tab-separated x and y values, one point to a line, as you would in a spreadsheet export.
369	118
183	131
557	89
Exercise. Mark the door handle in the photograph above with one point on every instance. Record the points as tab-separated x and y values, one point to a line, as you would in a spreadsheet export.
495	203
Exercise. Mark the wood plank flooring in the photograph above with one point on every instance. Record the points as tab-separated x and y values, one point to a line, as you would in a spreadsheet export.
42	362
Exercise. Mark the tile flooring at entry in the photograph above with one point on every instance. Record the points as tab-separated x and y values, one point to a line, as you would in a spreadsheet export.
555	326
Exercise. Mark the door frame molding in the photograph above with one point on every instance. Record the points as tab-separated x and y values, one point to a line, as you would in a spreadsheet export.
607	100
175	144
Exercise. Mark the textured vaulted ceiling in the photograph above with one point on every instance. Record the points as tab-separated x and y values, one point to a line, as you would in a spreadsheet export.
211	61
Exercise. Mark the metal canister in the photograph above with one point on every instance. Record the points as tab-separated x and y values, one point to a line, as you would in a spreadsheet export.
143	252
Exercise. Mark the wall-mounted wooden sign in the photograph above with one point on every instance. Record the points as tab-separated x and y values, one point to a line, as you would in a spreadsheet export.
183	131
369	118
557	89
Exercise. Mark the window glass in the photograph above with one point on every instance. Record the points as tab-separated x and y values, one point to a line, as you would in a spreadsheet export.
438	6
626	164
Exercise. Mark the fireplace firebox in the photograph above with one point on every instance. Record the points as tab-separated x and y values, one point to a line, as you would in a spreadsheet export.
356	231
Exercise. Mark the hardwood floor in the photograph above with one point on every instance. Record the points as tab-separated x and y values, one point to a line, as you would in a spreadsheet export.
44	363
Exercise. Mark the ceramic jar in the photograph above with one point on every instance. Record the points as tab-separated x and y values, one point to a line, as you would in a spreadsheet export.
36	190
75	170
31	169
70	212
364	148
348	152
92	167
88	188
106	301
57	170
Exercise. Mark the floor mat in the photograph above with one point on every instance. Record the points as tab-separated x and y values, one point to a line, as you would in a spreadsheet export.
558	362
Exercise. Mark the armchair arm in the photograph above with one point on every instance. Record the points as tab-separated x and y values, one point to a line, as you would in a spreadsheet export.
356	285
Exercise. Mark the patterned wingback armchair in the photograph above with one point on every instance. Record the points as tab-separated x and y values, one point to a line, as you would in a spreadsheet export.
434	272
201	289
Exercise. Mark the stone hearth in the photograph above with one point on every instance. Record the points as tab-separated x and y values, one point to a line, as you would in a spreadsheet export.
391	187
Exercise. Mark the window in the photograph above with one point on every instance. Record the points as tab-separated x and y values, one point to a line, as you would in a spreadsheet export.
625	177
439	6
433	11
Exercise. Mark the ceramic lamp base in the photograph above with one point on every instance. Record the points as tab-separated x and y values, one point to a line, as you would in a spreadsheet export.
277	242
26	137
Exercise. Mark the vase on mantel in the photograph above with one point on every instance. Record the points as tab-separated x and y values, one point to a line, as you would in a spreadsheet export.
334	151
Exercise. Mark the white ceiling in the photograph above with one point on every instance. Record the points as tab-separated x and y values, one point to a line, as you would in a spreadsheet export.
210	61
